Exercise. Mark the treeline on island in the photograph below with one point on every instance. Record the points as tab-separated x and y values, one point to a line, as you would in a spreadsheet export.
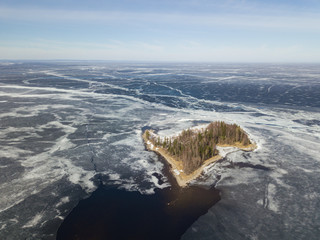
193	147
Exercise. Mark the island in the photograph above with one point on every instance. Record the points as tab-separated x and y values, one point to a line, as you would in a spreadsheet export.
189	152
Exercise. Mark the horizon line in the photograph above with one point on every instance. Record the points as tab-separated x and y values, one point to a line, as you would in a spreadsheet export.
159	61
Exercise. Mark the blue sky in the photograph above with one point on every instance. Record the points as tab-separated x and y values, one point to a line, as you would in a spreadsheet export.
164	30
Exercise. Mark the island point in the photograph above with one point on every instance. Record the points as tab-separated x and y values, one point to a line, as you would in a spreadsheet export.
193	149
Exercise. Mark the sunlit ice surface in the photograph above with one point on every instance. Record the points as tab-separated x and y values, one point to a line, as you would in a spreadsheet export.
67	127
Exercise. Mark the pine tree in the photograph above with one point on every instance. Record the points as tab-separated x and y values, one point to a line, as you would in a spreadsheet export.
193	147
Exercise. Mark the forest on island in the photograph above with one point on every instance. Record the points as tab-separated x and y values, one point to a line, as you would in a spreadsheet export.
193	147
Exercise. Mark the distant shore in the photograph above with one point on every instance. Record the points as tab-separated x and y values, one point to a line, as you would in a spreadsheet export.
176	167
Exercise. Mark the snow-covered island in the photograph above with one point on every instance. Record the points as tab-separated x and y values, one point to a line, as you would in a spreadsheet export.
192	150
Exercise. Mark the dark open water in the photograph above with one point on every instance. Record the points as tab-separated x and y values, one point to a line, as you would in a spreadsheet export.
112	213
69	127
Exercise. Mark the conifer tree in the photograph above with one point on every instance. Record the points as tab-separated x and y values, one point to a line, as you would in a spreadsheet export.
193	147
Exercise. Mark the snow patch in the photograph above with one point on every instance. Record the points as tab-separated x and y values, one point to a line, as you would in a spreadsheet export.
34	221
224	151
63	200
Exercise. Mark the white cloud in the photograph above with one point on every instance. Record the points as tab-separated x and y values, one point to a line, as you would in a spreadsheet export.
173	36
252	20
178	51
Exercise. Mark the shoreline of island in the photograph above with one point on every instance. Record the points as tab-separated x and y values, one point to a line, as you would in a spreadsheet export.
176	168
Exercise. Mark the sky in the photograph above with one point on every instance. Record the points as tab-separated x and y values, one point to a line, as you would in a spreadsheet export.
162	30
